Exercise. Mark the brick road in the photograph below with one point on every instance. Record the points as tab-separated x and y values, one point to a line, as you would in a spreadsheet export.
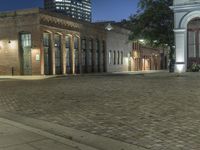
155	111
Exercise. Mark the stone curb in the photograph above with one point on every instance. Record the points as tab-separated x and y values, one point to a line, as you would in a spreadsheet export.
42	77
63	140
95	141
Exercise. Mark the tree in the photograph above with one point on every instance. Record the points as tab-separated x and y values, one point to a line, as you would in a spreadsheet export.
154	22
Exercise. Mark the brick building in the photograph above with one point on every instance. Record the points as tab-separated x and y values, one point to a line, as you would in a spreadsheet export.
38	42
148	58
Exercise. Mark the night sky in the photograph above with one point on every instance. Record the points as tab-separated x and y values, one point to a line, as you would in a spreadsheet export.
103	10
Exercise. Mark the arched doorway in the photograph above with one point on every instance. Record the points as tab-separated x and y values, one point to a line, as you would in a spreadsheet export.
76	54
47	53
193	46
58	60
68	54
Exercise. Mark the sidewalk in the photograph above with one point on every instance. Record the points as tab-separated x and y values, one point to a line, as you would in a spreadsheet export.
41	77
15	136
54	137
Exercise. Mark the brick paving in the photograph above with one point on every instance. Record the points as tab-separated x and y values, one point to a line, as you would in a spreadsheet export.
155	111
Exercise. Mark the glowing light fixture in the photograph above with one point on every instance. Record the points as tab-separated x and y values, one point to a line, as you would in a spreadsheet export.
141	40
109	27
180	68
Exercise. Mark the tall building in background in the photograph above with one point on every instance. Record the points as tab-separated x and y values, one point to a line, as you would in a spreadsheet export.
79	9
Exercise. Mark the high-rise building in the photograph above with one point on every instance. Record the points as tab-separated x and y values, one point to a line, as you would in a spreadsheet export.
79	9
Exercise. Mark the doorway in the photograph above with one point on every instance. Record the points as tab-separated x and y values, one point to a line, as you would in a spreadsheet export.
47	60
26	53
193	46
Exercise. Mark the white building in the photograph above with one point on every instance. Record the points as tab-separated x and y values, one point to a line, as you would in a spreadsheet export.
187	33
119	50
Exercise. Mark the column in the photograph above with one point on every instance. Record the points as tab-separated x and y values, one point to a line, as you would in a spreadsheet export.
42	52
79	55
72	54
53	67
181	50
63	54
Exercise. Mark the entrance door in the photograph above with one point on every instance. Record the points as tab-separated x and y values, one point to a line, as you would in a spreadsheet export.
58	54
193	42
68	55
46	61
76	61
76	55
46	45
26	54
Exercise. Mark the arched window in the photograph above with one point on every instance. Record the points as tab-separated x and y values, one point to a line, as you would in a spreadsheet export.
25	44
90	52
118	58
98	54
114	58
57	42
110	57
68	53
83	47
47	52
122	58
76	54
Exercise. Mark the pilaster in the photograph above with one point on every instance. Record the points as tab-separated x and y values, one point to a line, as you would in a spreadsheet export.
181	50
53	69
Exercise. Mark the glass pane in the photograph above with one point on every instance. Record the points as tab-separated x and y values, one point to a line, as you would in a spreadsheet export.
68	57
109	57
192	43
83	44
57	41
83	58
26	40
76	42
67	41
46	39
90	58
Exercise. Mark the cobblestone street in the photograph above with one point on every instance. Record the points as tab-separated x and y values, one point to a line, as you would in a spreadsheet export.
154	111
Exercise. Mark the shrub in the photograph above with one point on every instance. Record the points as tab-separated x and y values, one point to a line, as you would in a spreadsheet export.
195	67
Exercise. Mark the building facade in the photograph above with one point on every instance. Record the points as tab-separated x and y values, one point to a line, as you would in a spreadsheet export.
186	29
119	49
125	55
38	42
79	9
148	58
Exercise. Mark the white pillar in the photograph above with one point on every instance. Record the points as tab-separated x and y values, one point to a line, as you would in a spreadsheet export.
181	50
